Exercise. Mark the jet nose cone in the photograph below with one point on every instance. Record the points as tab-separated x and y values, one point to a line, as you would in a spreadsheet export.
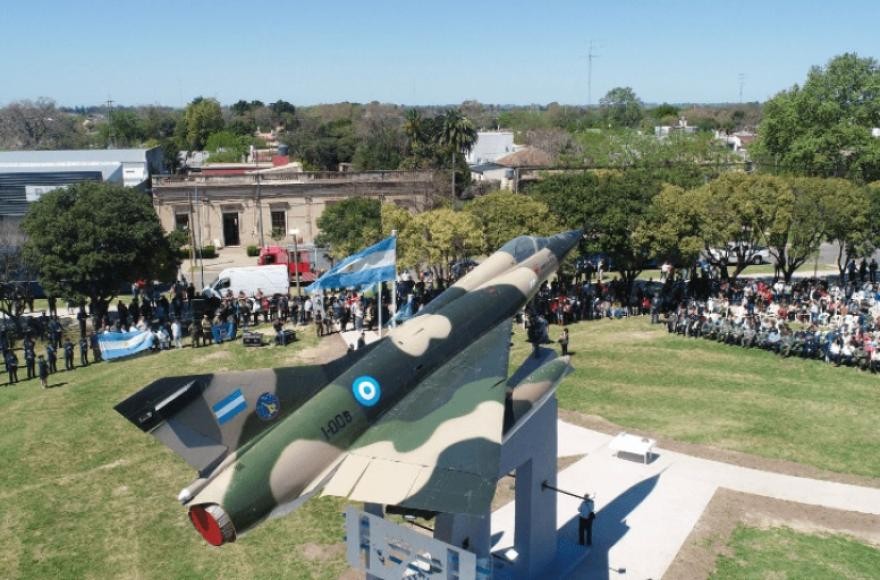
562	244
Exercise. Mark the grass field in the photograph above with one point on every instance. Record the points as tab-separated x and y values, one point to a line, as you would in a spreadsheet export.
86	495
782	553
698	391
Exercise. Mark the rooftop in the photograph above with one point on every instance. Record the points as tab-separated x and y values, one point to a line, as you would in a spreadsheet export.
33	158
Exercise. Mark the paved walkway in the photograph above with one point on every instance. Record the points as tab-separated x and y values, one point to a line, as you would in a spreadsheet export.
645	512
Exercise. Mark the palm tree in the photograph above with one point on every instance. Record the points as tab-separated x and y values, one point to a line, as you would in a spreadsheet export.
458	134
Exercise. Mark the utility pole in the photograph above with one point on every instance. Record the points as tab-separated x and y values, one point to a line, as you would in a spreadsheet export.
741	77
590	56
109	122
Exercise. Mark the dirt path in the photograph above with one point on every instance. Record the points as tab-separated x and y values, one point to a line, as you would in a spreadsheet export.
710	535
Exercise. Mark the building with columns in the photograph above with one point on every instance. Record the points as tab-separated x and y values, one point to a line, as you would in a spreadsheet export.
229	211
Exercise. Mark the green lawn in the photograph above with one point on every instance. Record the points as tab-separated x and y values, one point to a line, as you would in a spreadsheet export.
782	553
699	391
85	494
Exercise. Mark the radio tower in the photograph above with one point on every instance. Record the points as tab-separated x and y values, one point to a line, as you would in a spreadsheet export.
590	56
741	77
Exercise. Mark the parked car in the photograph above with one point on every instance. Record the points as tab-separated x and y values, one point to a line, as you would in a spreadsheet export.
759	254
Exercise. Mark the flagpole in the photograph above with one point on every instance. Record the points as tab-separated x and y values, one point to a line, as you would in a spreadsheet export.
394	283
379	308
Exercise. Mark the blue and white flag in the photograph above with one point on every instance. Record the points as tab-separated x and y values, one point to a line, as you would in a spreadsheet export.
226	409
367	267
121	344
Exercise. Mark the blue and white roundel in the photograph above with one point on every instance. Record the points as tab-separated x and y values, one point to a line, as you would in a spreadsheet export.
366	390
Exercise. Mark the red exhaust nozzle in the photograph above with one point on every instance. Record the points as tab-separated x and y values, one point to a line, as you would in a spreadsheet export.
212	523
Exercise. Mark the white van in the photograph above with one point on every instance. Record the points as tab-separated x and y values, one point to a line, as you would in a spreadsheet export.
248	279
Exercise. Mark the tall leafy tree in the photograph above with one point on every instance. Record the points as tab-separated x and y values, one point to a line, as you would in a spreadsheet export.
823	128
611	207
350	225
439	237
91	240
504	215
849	220
458	135
201	118
740	212
621	107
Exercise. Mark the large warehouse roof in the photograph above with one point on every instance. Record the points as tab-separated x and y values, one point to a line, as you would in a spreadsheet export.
12	158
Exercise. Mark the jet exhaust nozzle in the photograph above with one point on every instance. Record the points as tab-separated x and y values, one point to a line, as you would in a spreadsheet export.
213	523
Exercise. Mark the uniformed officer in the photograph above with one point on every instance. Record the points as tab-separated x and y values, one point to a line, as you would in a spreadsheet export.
11	366
52	357
68	354
44	372
96	347
30	358
83	352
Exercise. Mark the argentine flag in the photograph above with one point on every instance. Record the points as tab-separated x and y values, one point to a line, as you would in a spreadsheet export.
120	344
367	267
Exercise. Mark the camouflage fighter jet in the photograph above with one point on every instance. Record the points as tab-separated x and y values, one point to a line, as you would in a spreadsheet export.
415	420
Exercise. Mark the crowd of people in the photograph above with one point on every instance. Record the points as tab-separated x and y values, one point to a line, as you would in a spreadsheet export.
835	322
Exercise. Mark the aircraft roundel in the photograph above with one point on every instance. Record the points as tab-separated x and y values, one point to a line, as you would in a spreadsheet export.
366	390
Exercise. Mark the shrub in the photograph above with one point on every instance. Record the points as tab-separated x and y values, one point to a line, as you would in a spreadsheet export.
208	252
253	251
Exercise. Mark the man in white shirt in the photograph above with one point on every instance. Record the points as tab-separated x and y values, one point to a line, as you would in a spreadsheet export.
586	515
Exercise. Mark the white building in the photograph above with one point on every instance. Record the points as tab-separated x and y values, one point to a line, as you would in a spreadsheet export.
26	175
491	146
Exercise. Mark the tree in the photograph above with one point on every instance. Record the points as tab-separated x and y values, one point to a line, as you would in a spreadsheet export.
611	207
227	146
14	275
738	213
458	135
849	220
824	127
672	227
438	238
93	239
350	225
381	143
621	107
123	129
37	125
504	215
803	217
201	118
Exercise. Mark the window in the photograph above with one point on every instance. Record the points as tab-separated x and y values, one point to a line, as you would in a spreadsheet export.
279	224
181	221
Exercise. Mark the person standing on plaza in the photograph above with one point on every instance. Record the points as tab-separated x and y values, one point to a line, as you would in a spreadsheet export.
872	268
586	515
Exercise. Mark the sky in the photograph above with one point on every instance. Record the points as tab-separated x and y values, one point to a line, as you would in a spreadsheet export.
418	53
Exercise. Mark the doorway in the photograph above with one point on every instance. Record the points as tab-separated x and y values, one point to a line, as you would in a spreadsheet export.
230	229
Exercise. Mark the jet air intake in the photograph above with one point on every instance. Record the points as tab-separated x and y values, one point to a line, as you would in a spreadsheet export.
213	523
